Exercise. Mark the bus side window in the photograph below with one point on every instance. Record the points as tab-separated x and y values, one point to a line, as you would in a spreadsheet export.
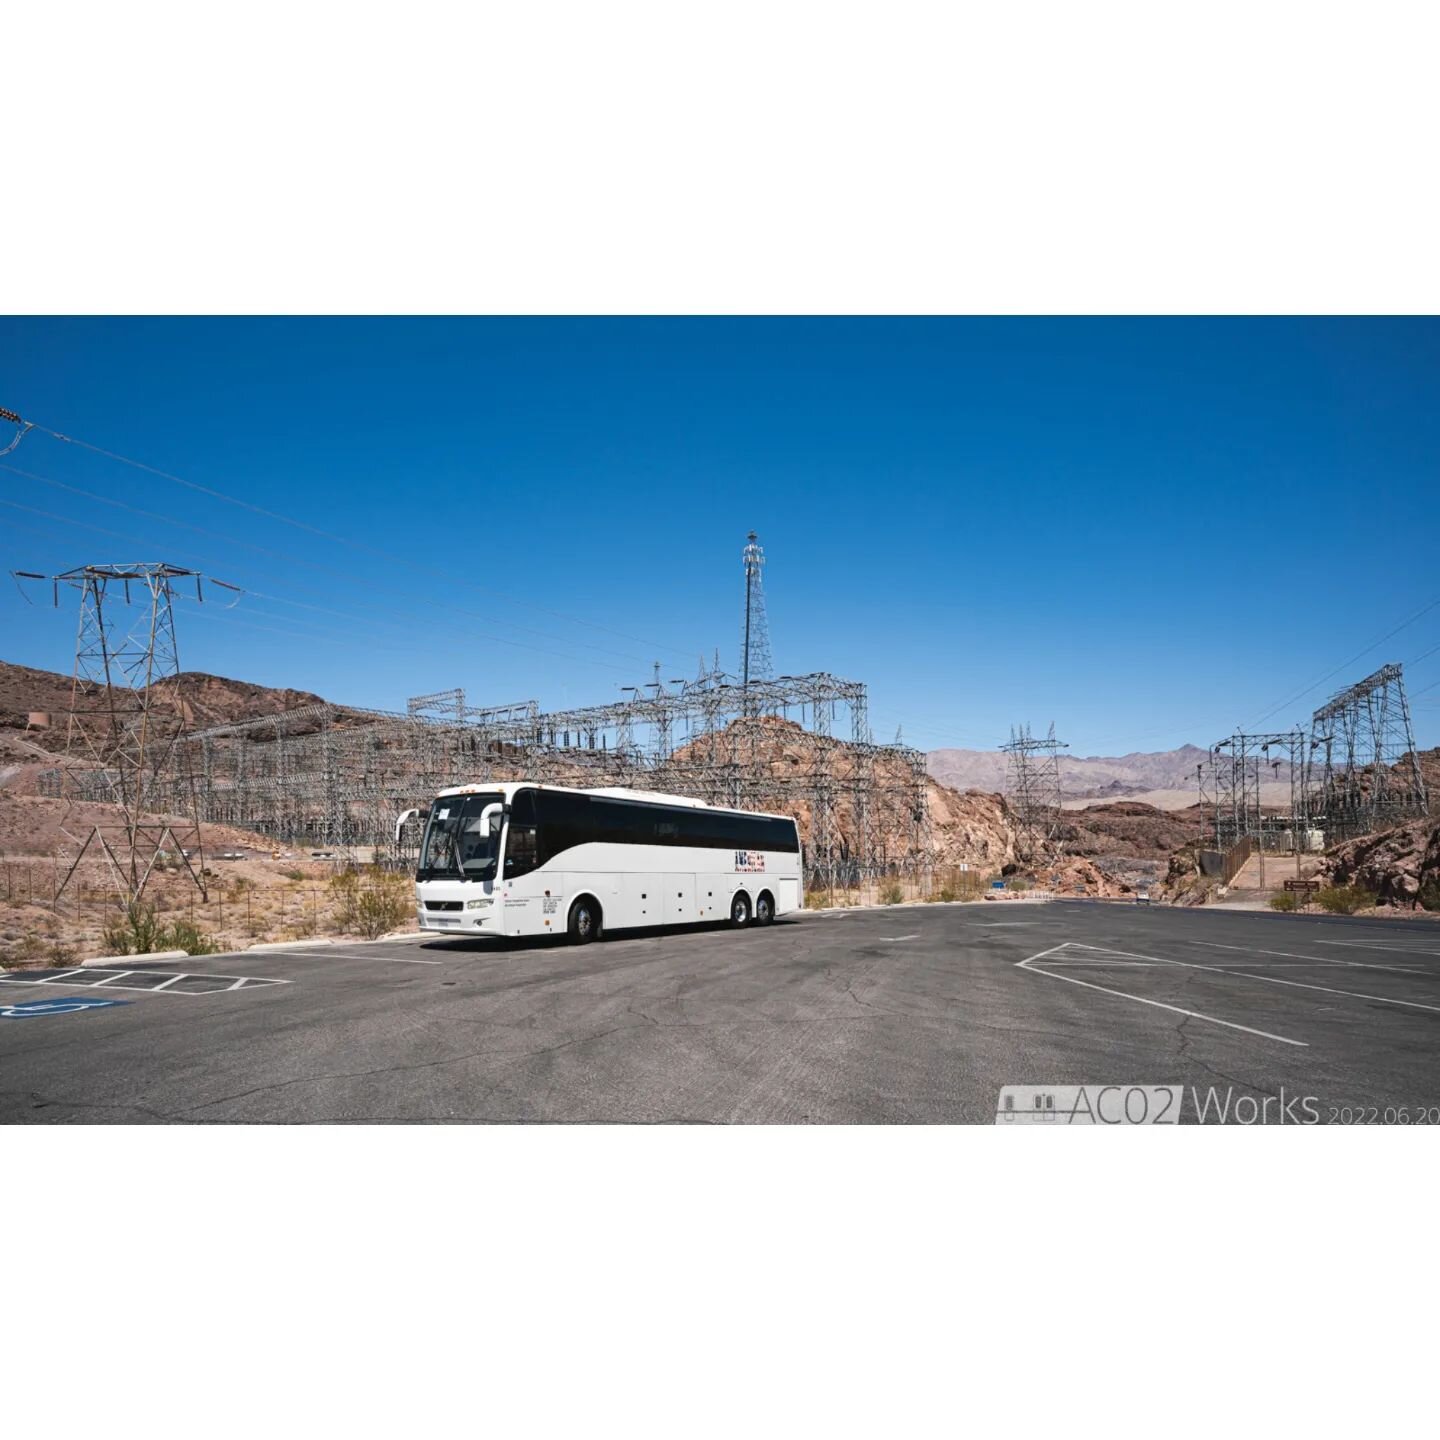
520	847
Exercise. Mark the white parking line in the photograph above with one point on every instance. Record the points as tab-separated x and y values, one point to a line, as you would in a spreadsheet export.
1377	945
1102	964
1275	980
894	938
328	954
1029	964
1316	959
84	980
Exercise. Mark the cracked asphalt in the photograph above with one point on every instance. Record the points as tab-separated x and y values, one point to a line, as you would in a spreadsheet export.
897	1015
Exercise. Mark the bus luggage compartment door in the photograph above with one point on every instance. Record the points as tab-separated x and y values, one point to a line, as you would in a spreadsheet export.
679	899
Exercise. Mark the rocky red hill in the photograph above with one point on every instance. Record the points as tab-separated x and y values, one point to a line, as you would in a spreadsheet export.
206	700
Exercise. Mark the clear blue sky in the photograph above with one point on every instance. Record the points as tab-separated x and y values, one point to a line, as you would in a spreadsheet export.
1149	531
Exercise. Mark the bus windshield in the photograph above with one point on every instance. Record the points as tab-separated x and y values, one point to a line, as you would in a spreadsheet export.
459	843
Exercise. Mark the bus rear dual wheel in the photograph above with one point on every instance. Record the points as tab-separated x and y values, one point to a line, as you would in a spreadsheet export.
741	912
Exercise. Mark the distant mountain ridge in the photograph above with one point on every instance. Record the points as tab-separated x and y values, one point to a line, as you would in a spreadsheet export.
1088	775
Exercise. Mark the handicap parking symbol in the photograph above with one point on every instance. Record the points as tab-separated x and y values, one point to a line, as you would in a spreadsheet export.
60	1005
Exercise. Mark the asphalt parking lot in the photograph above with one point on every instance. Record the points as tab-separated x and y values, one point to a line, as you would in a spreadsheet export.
897	1015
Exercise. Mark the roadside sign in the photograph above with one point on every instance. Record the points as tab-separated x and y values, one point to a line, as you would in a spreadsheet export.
1302	885
997	884
60	1005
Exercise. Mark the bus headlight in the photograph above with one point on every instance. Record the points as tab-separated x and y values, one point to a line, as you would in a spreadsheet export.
478	904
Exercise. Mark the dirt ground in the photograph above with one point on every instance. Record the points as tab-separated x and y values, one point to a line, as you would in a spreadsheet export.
270	893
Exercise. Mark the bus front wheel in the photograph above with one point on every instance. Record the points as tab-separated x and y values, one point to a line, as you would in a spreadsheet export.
584	923
740	910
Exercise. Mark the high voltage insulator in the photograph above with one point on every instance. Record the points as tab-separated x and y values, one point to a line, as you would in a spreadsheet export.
11	418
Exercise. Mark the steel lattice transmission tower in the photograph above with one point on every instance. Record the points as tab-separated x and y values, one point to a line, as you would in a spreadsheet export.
1363	744
126	725
755	662
1231	782
1032	787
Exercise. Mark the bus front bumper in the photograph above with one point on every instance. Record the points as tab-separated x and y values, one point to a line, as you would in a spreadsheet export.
480	921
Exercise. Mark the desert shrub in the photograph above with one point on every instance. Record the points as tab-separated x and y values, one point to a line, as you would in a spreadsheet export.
138	932
959	884
26	952
371	903
891	893
294	874
382	907
1283	902
1429	894
1017	883
1344	899
345	894
187	936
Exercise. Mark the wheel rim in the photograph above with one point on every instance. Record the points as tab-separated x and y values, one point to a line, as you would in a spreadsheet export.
740	911
582	921
762	909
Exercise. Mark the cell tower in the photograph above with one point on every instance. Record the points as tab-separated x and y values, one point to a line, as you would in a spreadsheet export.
1032	788
1363	744
755	663
126	722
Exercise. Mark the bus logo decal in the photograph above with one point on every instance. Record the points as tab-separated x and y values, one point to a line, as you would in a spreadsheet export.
751	861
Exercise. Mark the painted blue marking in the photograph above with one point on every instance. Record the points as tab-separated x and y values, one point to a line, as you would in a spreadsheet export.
61	1005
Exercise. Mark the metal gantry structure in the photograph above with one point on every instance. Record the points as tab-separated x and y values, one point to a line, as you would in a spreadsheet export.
1363	766
1353	771
1033	791
338	776
1239	765
125	740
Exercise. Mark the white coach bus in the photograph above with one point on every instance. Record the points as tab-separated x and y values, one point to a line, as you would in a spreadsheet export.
518	859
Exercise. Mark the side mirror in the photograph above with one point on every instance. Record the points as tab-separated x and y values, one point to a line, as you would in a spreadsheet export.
406	818
491	818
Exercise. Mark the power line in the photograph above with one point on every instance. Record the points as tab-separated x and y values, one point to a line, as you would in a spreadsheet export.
1329	675
388	556
225	615
284	555
470	634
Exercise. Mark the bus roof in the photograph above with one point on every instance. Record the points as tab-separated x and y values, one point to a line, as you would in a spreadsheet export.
616	792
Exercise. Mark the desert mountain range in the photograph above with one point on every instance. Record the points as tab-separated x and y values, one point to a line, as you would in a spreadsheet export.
1094	776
